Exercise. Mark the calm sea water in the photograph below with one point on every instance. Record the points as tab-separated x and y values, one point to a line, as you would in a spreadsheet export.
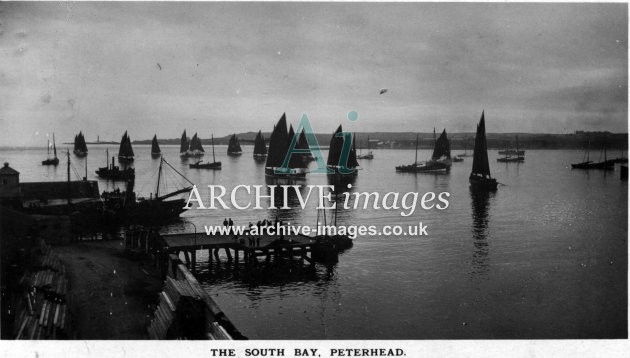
543	257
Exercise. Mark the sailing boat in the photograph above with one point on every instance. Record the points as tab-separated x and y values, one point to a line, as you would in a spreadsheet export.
195	149
234	147
183	146
511	158
51	161
125	152
112	172
80	148
260	148
334	155
214	165
589	164
480	178
155	148
302	143
440	160
154	209
369	154
278	148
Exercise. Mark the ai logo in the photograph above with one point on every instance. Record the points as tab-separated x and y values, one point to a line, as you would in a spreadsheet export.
313	148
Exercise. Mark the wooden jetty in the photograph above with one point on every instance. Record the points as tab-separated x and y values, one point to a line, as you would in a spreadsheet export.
246	248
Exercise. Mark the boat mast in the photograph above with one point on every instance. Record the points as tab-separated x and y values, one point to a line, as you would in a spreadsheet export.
54	146
416	161
48	148
68	155
157	189
213	158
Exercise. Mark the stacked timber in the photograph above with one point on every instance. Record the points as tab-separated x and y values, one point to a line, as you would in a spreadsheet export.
43	313
182	292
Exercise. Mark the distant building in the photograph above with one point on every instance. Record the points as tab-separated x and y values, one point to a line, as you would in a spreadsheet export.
9	184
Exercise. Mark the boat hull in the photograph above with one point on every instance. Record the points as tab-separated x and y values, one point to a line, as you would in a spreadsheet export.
511	160
79	153
116	173
427	167
215	166
482	183
234	154
53	161
292	174
125	159
607	165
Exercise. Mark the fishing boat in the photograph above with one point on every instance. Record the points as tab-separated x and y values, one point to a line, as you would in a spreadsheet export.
278	148
512	158
54	160
260	148
190	148
113	172
512	152
457	159
369	154
155	148
234	146
480	178
209	165
589	164
80	148
125	152
302	144
157	208
440	159
334	156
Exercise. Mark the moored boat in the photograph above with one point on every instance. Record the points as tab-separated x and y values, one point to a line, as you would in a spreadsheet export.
54	160
234	146
440	159
278	148
209	165
156	152
260	148
80	148
589	164
113	172
369	154
125	152
480	178
341	170
517	157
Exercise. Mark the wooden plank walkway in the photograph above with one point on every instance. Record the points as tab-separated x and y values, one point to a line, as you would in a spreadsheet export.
201	241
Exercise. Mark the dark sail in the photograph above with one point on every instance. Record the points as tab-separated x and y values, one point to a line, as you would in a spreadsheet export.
334	149
183	146
125	147
234	146
352	158
302	142
480	157
195	144
278	145
259	144
442	147
155	147
296	159
79	143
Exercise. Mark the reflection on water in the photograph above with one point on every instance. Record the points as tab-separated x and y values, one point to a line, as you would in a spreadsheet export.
480	201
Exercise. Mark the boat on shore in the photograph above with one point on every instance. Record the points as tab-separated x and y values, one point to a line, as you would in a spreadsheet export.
80	148
513	158
156	152
480	178
113	172
369	154
234	146
440	159
278	147
129	208
260	148
209	165
54	160
125	152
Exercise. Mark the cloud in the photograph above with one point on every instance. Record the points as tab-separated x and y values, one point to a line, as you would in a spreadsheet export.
46	98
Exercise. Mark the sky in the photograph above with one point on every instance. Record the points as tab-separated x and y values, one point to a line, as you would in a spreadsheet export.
160	68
